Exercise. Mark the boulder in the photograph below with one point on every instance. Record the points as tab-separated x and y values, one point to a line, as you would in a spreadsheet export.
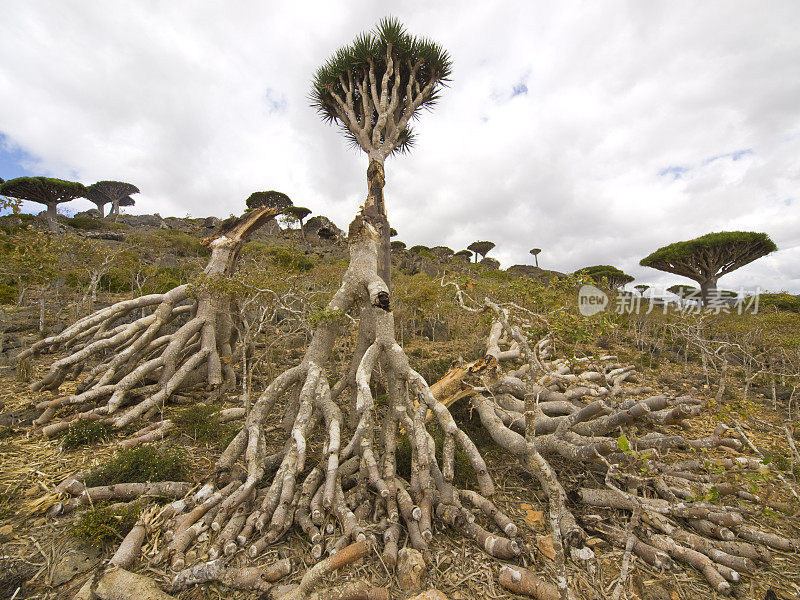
92	213
211	222
154	220
114	236
323	227
534	272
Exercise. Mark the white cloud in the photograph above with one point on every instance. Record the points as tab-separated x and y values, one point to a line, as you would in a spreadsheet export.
201	103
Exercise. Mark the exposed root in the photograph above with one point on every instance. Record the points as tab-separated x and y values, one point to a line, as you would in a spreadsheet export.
184	338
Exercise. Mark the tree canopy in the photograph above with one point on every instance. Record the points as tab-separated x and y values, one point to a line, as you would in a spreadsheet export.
481	248
373	87
44	190
709	257
684	291
270	199
115	192
614	276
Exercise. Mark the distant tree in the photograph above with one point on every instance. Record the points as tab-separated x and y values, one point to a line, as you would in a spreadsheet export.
641	288
115	192
442	251
419	248
126	201
709	257
298	213
392	232
535	252
270	199
614	277
397	245
44	190
481	248
464	253
684	292
373	88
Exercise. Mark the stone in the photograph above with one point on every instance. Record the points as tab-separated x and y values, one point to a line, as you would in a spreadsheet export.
114	236
211	222
74	561
323	227
410	569
6	533
154	220
431	594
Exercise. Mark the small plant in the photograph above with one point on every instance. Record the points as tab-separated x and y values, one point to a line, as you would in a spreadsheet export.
200	423
85	433
101	523
325	315
139	465
24	370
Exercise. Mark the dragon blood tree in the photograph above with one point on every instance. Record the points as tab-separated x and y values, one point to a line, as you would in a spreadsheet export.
709	257
44	190
185	338
615	278
372	89
331	468
115	192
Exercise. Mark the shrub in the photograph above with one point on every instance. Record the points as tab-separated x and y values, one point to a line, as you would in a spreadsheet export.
783	301
290	258
200	423
8	293
140	465
85	433
100	523
89	224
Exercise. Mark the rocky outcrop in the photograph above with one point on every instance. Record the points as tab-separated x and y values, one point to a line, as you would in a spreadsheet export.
323	228
535	272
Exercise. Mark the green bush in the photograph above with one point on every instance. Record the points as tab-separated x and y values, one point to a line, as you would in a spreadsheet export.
8	293
140	465
100	523
290	258
170	241
200	423
85	223
85	433
783	301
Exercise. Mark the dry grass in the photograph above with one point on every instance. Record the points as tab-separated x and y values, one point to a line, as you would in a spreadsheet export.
32	466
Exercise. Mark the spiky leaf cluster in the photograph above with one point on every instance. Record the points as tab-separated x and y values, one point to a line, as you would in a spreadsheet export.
373	87
43	190
712	255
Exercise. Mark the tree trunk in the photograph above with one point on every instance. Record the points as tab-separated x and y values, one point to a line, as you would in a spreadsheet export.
101	206
51	217
375	208
536	258
708	290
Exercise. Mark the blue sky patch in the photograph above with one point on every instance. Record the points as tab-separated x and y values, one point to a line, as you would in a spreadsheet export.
276	102
14	162
519	89
734	156
676	171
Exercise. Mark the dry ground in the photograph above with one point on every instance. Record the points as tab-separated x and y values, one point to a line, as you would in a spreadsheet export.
37	549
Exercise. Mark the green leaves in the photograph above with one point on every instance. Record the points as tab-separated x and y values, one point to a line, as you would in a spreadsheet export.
43	190
354	74
623	444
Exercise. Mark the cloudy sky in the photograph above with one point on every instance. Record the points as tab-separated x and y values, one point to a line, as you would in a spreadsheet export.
597	131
